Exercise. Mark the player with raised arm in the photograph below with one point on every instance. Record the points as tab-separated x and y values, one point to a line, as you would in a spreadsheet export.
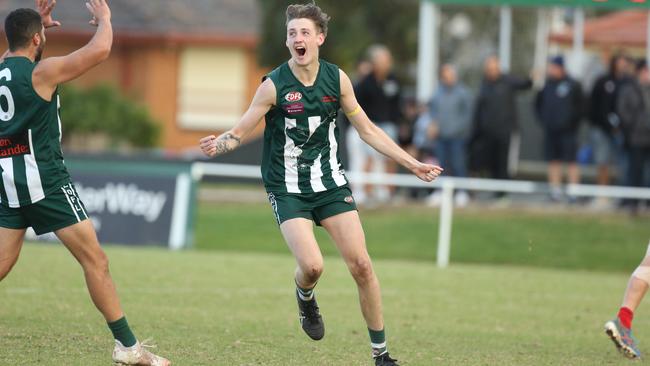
302	170
36	190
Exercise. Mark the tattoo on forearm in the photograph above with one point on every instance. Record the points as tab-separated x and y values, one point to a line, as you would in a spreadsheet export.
227	142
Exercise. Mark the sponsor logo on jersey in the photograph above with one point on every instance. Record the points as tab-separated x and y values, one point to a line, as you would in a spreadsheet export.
294	108
349	199
293	96
329	99
14	145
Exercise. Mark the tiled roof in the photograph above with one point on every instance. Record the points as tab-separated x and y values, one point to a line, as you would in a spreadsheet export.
623	28
189	18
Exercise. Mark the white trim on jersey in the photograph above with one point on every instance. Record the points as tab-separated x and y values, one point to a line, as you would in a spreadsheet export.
7	165
337	175
58	116
314	122
290	161
316	175
34	184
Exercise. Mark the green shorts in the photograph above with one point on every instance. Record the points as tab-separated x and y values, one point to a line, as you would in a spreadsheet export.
57	210
313	206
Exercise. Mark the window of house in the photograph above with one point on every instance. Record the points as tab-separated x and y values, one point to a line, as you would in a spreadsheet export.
212	87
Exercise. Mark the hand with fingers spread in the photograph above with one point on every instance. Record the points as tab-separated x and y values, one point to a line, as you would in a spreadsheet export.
45	8
100	11
426	172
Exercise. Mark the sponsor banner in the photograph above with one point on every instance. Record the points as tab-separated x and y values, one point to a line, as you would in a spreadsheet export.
136	209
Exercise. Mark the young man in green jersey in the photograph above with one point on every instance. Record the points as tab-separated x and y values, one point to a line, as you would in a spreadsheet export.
35	188
302	171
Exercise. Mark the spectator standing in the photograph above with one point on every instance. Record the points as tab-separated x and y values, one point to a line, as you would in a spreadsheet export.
559	107
633	108
379	94
604	118
450	112
495	119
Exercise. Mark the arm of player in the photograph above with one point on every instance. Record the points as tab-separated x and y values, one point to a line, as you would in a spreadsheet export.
53	71
262	102
45	8
375	137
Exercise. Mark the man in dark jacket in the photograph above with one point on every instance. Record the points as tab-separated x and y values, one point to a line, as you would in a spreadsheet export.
379	94
495	119
559	109
604	117
633	108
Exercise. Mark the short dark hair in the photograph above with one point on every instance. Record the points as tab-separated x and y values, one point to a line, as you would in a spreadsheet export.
20	27
309	11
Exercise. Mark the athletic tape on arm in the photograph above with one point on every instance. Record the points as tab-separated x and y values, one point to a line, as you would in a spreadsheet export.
354	112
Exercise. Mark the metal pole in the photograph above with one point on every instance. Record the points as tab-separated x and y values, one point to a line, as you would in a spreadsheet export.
647	49
428	44
541	46
444	231
505	37
578	41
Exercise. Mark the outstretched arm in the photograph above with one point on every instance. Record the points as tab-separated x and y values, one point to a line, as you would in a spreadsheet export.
230	140
375	137
56	70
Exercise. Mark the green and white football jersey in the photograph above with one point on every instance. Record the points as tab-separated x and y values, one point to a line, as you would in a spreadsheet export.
301	137
31	159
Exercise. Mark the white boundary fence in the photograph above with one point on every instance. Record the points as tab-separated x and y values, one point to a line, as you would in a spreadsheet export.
446	184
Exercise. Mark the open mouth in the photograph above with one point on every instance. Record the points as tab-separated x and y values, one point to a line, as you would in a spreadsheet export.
301	50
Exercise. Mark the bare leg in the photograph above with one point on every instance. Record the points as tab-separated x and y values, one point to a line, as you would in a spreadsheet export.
299	235
636	289
346	231
555	174
574	173
81	241
11	241
603	175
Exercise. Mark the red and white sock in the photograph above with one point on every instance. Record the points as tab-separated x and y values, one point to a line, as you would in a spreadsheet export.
625	316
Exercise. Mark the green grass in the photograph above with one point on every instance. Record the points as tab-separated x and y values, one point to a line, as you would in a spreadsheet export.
569	240
227	308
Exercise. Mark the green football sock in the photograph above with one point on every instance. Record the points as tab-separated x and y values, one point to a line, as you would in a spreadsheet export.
305	294
122	332
377	342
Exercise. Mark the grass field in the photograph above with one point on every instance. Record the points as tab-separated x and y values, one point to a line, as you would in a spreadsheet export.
561	239
227	308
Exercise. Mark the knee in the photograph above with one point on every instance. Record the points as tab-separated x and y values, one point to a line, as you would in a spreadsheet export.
5	268
361	269
96	262
312	271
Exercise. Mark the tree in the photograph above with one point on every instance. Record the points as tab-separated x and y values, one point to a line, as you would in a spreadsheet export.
103	111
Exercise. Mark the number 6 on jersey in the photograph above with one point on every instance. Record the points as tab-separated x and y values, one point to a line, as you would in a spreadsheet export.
6	114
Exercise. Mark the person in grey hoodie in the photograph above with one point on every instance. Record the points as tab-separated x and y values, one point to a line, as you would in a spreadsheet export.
450	111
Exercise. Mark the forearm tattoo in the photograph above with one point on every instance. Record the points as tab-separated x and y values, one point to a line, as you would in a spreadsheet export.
227	142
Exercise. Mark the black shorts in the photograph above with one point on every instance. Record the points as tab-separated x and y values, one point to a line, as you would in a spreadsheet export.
561	146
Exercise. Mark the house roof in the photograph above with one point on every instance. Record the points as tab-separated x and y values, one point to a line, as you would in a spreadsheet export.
623	28
195	21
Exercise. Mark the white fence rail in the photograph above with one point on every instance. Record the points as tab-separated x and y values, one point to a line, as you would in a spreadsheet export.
447	184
